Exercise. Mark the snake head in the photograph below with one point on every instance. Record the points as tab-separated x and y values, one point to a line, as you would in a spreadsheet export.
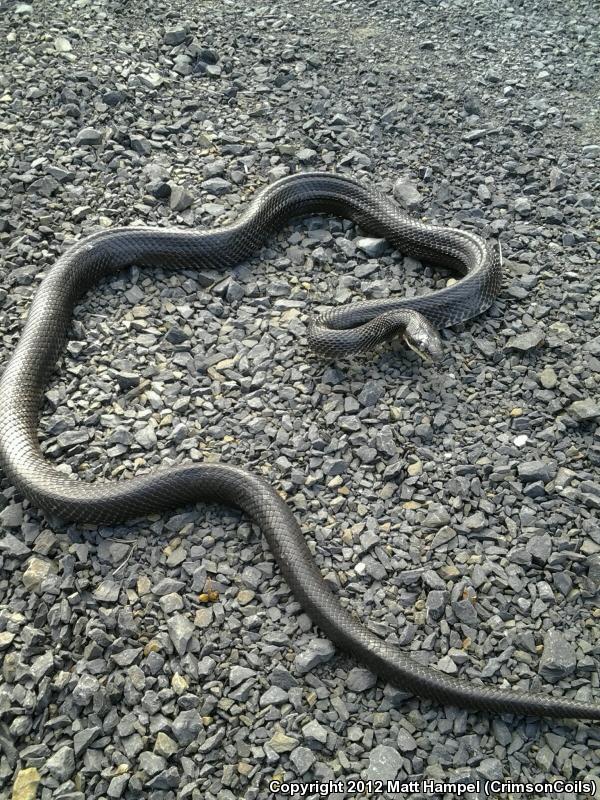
422	337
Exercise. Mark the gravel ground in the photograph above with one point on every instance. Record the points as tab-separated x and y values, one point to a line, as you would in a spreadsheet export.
455	508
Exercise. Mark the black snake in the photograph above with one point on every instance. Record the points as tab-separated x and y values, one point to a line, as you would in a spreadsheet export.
342	330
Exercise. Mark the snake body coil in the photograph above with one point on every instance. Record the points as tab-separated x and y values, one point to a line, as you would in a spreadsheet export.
342	330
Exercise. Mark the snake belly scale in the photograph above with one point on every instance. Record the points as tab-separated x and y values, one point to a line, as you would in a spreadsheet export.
344	329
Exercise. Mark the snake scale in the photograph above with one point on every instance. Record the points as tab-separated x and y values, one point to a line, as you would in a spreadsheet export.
344	329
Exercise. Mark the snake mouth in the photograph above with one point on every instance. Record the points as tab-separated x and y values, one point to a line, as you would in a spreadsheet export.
423	354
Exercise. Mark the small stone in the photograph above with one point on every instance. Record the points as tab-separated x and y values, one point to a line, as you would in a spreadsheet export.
165	746
313	731
186	726
37	570
46	186
302	758
274	696
530	471
79	213
547	378
180	198
371	246
82	739
281	743
107	591
465	612
306	155
25	784
151	763
203	617
526	341
406	742
407	194
360	680
437	516
62	45
171	602
474	135
6	638
11	516
475	522
540	547
89	136
146	437
557	179
585	410
558	658
61	764
238	675
141	145
216	186
522	206
370	394
590	494
384	763
180	632
152	80
10	545
436	603
318	651
86	688
445	535
414	469
175	36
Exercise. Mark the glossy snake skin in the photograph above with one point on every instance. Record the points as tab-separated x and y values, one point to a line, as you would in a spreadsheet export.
342	330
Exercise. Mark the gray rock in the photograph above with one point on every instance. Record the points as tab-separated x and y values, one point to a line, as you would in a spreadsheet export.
175	36
108	591
151	763
302	758
46	186
186	726
11	516
216	186
464	610
372	247
530	471
82	739
540	547
558	658
280	742
407	194
360	680
274	696
585	410
436	604
62	45
86	688
238	675
437	516
406	742
318	651
306	155
522	206
61	763
180	198
10	545
165	746
180	630
314	733
89	136
526	341
384	763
